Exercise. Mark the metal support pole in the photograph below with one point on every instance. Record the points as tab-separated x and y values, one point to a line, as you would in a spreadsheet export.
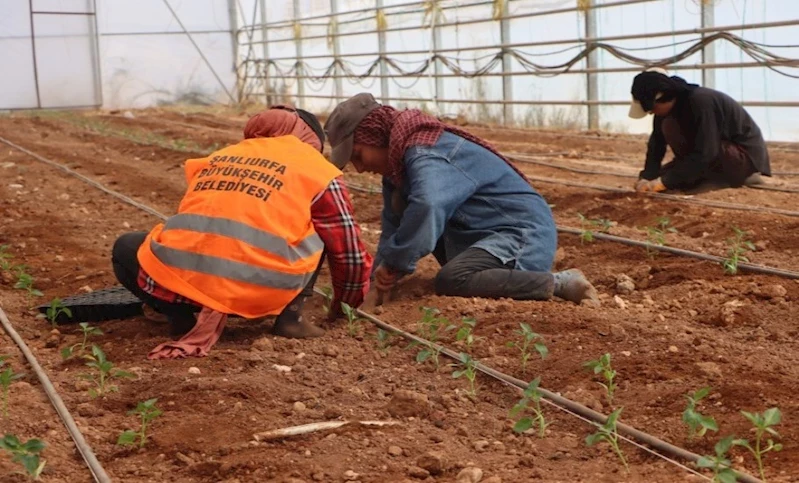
381	50
265	38
592	62
298	43
98	71
33	52
336	48
507	66
708	51
437	66
234	39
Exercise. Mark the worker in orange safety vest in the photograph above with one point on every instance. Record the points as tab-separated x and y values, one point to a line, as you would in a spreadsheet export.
250	235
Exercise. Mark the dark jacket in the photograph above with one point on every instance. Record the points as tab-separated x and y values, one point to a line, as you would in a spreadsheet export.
706	117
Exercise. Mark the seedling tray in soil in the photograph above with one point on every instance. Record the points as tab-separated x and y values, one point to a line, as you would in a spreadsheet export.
106	304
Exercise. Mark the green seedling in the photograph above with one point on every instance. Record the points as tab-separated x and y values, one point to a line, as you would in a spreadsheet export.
25	282
464	333
327	293
105	372
739	246
383	338
428	328
469	371
147	412
720	464
762	426
698	424
587	227
26	454
55	309
528	338
531	395
7	376
603	365
607	432
656	235
5	264
353	321
68	352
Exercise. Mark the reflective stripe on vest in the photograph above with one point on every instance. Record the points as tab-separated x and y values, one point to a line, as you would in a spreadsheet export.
220	267
247	234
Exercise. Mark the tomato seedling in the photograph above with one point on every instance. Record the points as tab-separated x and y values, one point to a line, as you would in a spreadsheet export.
55	309
528	338
26	454
428	328
656	235
603	365
587	227
469	371
327	294
87	330
720	463
532	394
353	321
607	432
147	412
464	333
698	424
25	282
762	426
7	376
739	246
105	373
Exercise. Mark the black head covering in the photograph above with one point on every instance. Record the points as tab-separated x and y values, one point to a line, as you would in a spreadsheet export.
314	124
647	85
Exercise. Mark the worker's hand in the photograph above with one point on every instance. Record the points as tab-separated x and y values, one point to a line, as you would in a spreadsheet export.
385	278
652	186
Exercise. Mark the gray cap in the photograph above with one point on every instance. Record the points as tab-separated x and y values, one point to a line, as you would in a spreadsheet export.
341	125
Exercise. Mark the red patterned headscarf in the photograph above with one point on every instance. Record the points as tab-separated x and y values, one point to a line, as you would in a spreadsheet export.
385	127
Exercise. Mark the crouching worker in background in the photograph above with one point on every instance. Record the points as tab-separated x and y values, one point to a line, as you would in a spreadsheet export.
715	142
449	193
249	237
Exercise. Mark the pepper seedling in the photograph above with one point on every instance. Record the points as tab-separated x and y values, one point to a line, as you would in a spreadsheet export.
469	371
739	246
762	425
5	264
26	454
327	294
607	432
528	338
656	235
55	309
720	464
383	338
147	412
698	424
603	365
7	376
428	328
531	394
105	373
464	333
87	330
353	321
25	282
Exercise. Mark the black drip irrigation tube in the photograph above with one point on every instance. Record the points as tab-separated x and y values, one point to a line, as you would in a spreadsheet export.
98	473
565	404
534	159
556	400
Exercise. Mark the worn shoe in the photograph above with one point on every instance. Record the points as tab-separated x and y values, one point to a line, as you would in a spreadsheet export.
753	180
296	329
573	286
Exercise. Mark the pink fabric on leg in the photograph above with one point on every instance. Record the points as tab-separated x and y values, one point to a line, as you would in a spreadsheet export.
198	341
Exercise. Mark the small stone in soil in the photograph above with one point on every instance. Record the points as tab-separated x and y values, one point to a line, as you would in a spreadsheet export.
673	348
481	445
416	472
262	344
194	370
395	451
408	403
350	475
299	407
432	461
469	474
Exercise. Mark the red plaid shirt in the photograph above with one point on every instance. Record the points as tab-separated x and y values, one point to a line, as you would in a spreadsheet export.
350	263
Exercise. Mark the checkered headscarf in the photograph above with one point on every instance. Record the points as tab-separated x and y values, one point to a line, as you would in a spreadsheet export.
385	127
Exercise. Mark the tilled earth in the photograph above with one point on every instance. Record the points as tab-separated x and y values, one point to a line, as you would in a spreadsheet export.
673	325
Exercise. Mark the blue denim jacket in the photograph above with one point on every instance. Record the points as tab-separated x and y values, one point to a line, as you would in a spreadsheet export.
466	194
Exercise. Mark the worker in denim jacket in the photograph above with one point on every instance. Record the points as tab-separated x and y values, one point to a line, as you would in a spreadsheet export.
449	193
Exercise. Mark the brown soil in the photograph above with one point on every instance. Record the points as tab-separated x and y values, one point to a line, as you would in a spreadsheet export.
686	325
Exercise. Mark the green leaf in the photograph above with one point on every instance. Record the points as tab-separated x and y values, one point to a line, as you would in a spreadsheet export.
613	418
523	425
706	462
33	445
701	393
125	374
66	352
772	416
127	437
593	439
31	463
777	447
422	356
724	445
542	350
458	374
727	476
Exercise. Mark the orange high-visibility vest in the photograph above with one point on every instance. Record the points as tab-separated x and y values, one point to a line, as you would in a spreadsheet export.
243	242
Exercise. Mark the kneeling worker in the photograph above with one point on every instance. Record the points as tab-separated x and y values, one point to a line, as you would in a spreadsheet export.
250	236
449	193
712	136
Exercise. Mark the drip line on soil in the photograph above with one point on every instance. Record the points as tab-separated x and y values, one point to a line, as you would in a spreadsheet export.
551	397
528	159
99	474
567	405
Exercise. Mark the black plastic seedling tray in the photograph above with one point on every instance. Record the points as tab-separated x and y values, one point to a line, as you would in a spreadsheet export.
106	304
